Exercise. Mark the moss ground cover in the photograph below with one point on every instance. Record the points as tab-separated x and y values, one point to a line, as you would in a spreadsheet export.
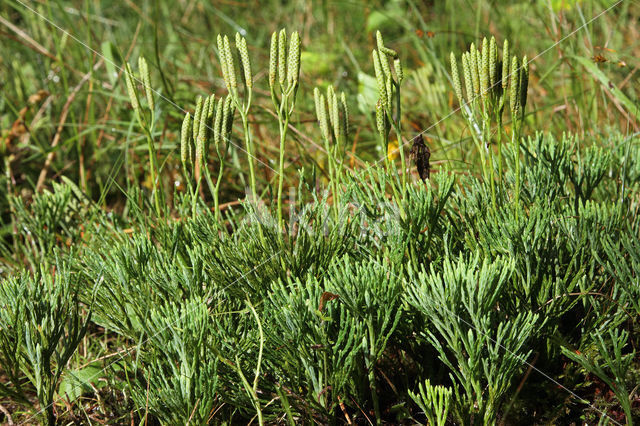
319	212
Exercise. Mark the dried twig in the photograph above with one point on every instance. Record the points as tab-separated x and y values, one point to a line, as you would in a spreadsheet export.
344	411
7	414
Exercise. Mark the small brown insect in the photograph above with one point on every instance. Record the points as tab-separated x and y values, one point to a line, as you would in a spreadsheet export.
599	59
420	154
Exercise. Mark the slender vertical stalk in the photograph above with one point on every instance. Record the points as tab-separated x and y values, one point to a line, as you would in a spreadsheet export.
372	372
516	147
283	135
397	127
499	119
285	65
252	389
216	195
194	200
487	145
403	162
250	155
147	127
154	173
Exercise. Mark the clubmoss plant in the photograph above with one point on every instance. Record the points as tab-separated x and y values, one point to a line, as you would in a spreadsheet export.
622	261
177	371
434	401
222	127
333	117
242	104
483	348
304	312
489	84
212	120
371	292
519	84
378	305
147	124
610	354
252	388
388	107
285	65
48	218
42	323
